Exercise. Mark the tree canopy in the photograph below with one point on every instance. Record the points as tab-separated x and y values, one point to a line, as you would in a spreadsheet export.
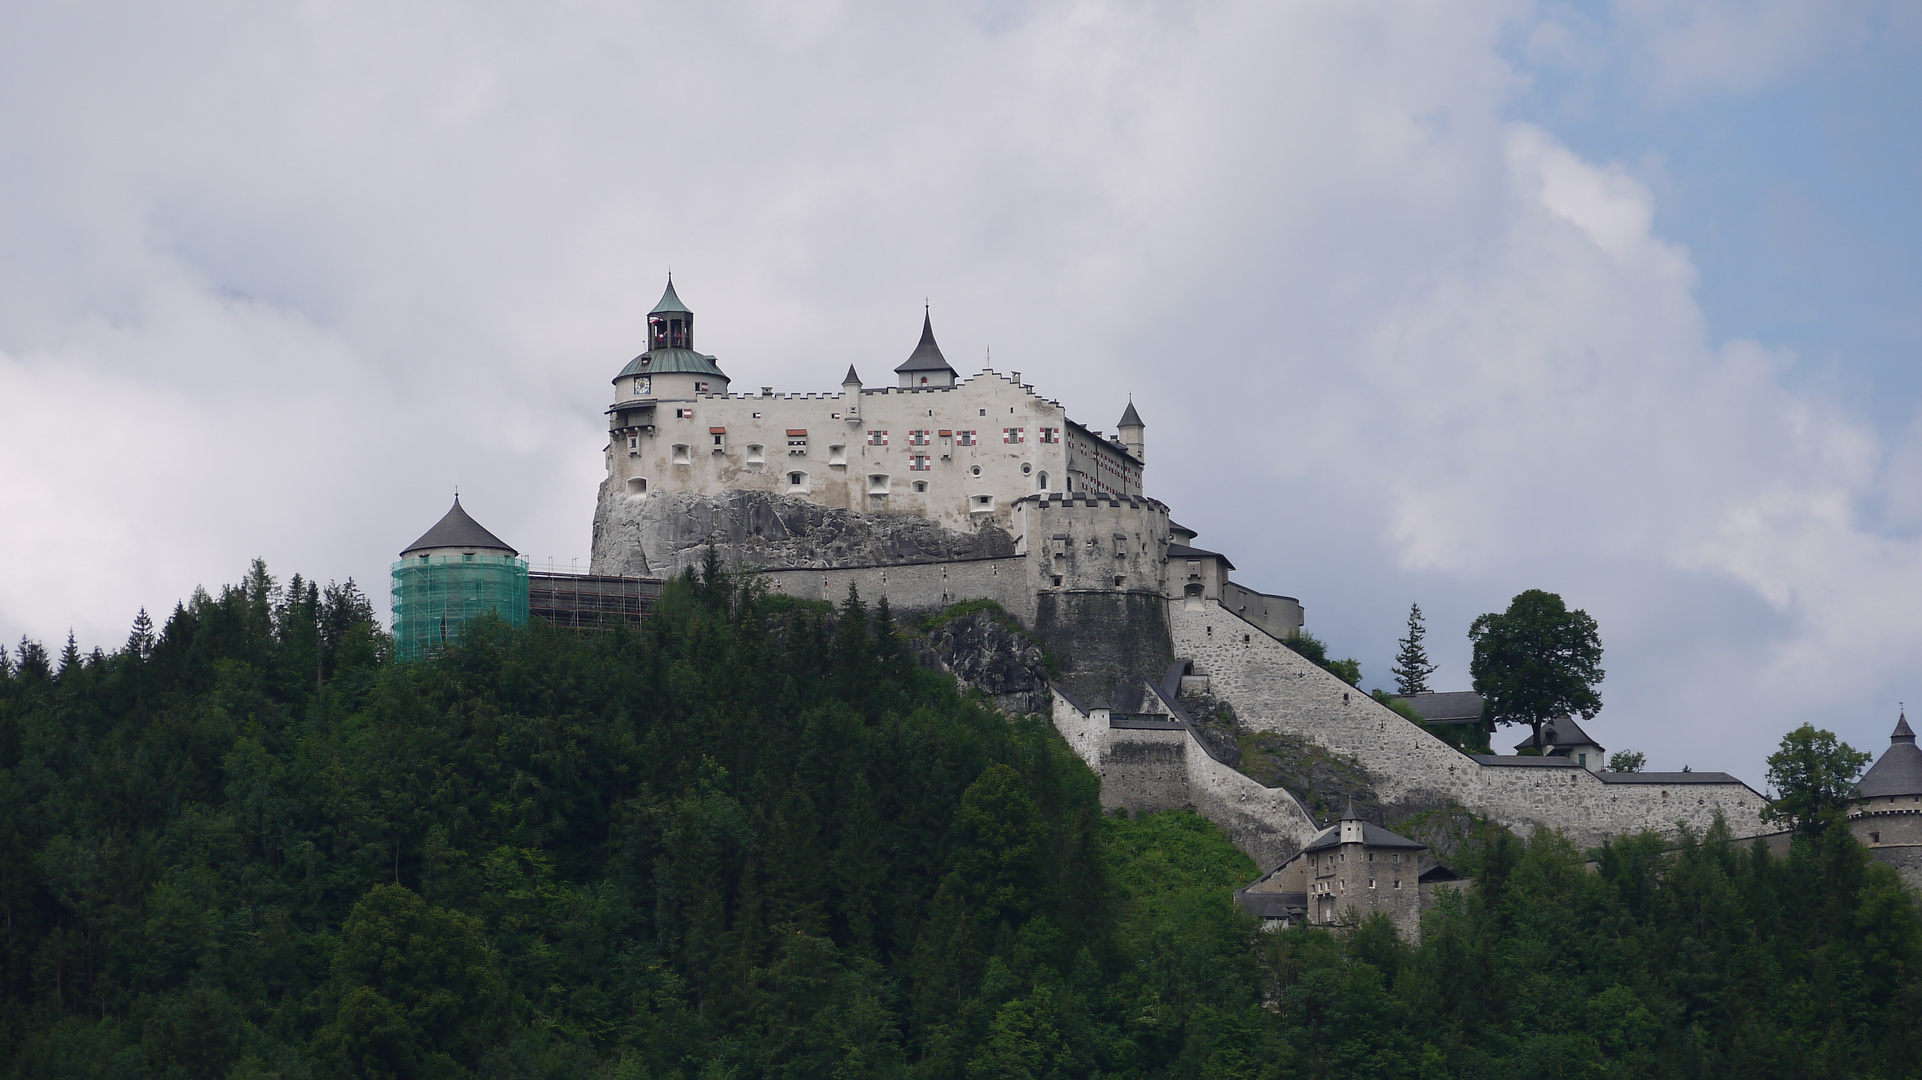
1536	662
1811	774
751	839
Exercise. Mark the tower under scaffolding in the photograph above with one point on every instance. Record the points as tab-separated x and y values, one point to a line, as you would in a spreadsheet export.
434	595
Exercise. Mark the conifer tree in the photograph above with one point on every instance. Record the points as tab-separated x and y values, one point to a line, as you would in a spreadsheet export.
140	642
1412	668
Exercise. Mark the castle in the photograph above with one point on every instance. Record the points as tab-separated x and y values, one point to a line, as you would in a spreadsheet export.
941	489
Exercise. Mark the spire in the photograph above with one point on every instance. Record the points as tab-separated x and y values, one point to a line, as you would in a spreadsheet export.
670	302
1131	418
1902	734
852	379
927	355
1349	814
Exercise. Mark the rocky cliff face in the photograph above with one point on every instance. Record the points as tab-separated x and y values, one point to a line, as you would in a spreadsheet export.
663	534
983	653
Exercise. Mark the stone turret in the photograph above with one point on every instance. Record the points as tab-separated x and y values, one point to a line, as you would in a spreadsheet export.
1133	433
851	393
1885	810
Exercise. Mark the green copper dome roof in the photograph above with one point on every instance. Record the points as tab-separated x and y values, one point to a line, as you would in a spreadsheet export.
671	361
670	302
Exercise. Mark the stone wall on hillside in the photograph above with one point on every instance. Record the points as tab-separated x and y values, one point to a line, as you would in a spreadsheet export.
1274	688
1102	640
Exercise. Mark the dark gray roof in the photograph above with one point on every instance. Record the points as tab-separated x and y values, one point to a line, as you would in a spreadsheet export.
1273	905
670	302
1665	778
671	361
1563	732
1176	526
1525	761
1447	706
926	355
1131	418
457	530
1371	836
1183	551
1898	771
852	377
1438	872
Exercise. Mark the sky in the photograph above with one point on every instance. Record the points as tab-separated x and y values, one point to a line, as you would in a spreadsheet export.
1421	303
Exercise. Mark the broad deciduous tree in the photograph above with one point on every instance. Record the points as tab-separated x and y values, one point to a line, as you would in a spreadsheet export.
1537	661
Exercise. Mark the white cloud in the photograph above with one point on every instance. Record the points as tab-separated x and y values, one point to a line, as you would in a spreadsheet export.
273	283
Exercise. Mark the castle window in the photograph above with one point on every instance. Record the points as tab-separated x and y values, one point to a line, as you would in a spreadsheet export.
1875	838
1371	883
920	486
700	388
1118	579
965	438
1057	581
1050	435
974	470
981	504
877	438
919	463
720	438
636	486
984	412
918	437
756	453
680	454
797	481
797	441
1027	467
1042	482
683	414
1371	856
837	455
1397	883
878	483
1013	434
633	442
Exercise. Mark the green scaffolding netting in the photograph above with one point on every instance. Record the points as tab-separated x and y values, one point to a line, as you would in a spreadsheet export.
433	596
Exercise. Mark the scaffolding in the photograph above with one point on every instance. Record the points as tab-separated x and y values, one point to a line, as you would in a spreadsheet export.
597	602
434	595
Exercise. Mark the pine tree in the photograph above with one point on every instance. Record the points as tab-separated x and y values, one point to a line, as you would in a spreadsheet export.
140	642
1412	668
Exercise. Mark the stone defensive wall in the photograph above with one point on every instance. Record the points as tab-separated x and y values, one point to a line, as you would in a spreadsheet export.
1273	688
1151	760
916	586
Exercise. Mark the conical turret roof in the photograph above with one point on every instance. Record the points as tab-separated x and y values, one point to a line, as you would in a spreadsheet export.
1898	771
457	530
852	377
927	355
670	302
1131	418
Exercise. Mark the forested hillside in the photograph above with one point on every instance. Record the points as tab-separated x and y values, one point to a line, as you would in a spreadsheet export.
752	839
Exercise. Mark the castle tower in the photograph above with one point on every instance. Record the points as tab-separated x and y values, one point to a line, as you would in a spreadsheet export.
851	392
1885	810
670	369
456	571
1133	432
925	368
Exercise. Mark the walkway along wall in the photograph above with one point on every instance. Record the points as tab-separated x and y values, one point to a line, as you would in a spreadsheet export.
1273	688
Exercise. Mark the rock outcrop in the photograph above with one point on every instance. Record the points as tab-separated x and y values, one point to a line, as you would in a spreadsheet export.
660	535
984	653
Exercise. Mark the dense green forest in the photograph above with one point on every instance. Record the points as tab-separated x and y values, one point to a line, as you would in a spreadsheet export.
753	839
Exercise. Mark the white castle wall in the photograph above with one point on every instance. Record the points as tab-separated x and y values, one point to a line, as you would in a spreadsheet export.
671	445
1273	688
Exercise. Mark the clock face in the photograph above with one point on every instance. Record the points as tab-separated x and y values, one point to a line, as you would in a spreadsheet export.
643	385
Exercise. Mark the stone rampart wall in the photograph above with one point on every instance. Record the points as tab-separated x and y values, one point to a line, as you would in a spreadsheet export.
1273	688
916	587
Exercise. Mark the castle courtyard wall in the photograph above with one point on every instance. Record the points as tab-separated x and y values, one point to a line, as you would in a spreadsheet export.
1273	688
916	587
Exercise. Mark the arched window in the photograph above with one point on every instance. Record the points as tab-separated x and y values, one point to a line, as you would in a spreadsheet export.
1041	483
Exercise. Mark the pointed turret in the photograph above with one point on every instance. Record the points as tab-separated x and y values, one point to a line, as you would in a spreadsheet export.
851	391
1352	830
1898	772
926	367
670	368
457	534
1133	433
